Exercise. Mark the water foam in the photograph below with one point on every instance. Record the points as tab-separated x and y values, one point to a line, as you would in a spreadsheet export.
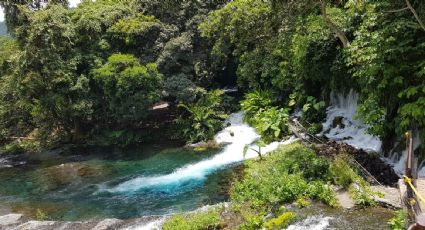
312	223
354	132
398	160
237	136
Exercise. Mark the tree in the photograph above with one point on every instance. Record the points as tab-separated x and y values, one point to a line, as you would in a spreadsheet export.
13	10
128	89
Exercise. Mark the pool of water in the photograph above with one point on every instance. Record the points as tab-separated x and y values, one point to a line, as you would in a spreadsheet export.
79	185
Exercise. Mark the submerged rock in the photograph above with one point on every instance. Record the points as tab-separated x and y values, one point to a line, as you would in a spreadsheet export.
64	174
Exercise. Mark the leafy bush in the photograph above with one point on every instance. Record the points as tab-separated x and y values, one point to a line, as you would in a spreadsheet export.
254	103
281	221
343	175
203	118
128	88
283	177
181	88
197	221
271	123
399	221
341	172
313	110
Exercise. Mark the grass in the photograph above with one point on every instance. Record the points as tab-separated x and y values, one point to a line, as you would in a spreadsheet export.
290	173
195	221
343	175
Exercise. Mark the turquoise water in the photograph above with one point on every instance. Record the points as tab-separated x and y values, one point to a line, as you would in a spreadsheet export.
77	185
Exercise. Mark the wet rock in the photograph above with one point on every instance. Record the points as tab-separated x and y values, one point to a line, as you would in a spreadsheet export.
76	225
108	224
378	168
38	225
11	219
338	121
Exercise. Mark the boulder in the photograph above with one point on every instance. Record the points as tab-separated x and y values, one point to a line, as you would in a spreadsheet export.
11	219
108	224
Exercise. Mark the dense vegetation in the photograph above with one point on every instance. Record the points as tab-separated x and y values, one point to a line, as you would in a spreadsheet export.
93	73
292	176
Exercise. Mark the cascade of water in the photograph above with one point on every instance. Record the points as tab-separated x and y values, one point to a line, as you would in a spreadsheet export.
349	129
398	160
311	223
236	136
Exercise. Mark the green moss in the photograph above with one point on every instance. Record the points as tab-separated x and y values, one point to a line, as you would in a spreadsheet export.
280	222
196	221
302	202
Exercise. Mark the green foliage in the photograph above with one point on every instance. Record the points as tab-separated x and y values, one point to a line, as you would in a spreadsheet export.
283	177
255	102
341	172
204	117
343	175
40	215
302	202
197	221
181	88
399	221
128	88
271	123
313	111
281	221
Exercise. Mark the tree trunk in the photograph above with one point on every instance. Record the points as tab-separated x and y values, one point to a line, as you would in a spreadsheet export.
338	32
415	14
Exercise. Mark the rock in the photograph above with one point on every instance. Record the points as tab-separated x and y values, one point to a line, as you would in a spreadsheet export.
76	225
38	225
390	198
338	121
345	200
11	219
108	224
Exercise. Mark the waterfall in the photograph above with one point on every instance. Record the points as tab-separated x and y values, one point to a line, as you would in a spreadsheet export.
236	136
352	131
312	223
398	159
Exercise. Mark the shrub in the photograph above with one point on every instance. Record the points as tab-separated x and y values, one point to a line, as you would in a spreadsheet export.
255	102
341	172
281	221
271	123
203	118
399	220
197	221
282	177
313	110
343	175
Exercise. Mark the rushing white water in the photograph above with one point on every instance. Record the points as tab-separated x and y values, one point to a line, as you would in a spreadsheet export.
398	160
237	136
312	223
353	132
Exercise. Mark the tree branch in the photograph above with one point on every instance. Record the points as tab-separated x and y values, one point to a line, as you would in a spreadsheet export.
338	32
399	10
415	14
